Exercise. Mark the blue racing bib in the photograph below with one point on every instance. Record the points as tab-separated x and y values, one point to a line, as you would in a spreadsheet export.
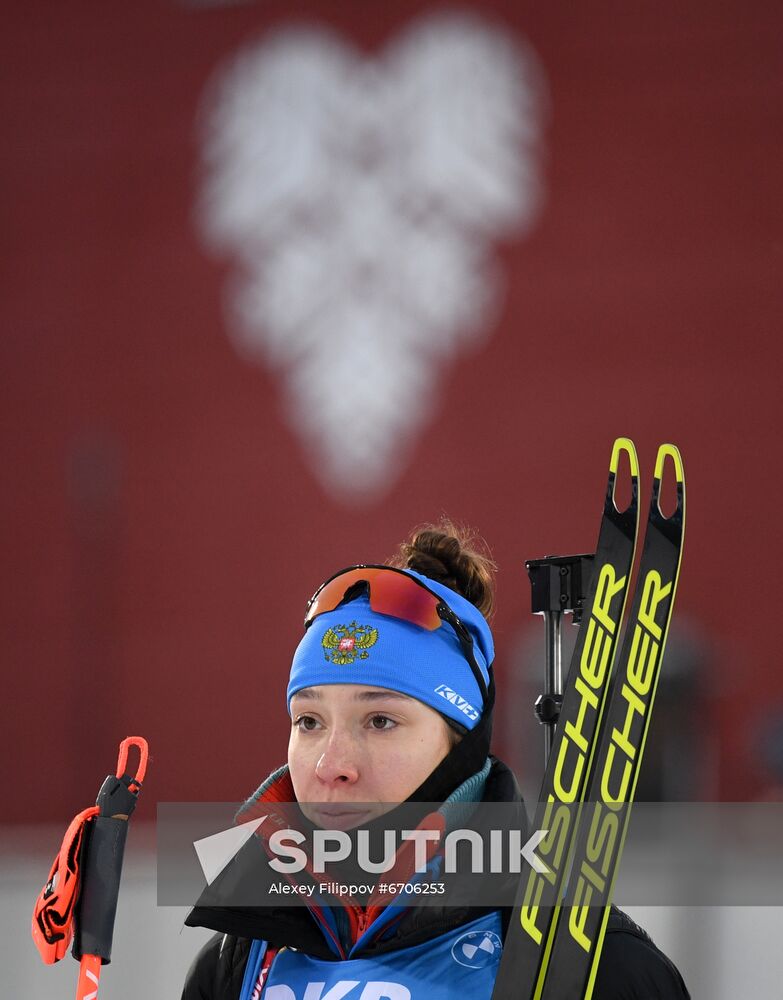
461	963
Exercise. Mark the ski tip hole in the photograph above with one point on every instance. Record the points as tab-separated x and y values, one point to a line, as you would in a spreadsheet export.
626	481
669	486
624	446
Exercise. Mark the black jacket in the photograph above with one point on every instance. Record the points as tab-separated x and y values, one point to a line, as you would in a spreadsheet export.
631	966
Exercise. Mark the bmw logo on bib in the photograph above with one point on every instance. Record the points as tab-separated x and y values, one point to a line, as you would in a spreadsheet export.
477	949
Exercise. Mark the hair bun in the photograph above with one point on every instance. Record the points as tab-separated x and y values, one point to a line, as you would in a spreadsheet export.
454	556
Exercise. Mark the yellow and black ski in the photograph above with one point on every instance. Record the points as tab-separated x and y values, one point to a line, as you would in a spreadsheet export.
576	948
528	940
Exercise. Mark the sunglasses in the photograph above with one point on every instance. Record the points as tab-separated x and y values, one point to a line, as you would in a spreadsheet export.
395	593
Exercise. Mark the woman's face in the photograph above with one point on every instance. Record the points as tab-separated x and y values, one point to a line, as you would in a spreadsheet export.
355	752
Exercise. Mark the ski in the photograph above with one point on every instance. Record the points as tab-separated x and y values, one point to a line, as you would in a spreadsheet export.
534	914
578	939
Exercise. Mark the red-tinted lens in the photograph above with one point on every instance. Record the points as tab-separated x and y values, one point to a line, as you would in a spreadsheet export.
391	593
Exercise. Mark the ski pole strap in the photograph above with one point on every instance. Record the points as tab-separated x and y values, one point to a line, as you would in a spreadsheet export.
53	914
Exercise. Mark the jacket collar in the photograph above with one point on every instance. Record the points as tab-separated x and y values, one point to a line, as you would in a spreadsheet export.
331	934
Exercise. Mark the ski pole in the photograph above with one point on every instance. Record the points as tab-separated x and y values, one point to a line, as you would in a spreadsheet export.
79	900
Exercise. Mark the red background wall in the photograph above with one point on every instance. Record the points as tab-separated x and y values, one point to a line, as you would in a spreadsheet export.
161	529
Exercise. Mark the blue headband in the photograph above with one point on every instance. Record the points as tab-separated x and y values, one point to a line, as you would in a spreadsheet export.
355	645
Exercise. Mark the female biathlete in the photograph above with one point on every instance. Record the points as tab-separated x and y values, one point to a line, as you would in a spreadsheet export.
390	697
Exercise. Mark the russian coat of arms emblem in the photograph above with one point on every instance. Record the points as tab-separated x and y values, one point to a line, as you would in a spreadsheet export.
343	644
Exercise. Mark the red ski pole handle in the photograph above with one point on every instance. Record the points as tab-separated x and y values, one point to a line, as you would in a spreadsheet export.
103	853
